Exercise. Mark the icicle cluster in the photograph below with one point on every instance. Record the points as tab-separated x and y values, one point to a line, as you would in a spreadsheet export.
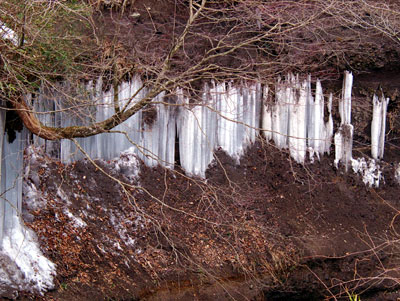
228	117
151	131
378	126
295	120
225	116
344	135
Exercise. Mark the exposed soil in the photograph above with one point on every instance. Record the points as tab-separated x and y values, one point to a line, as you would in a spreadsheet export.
265	229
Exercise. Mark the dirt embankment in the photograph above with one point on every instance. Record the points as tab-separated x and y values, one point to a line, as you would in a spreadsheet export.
264	229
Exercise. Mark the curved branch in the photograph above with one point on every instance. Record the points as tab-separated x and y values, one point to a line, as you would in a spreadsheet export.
33	124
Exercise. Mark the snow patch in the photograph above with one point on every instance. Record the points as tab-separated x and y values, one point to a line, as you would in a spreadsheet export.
370	171
34	271
78	222
7	33
121	228
127	163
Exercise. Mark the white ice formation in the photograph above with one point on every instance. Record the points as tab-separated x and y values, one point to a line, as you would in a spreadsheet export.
378	126
370	171
397	173
22	265
344	135
227	117
223	116
295	119
7	33
177	126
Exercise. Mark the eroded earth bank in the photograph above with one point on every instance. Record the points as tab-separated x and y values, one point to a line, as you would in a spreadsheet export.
265	229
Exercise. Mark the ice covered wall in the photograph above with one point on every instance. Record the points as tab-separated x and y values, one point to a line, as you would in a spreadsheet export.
22	265
151	131
295	119
225	115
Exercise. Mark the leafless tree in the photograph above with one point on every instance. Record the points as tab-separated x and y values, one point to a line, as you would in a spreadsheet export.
197	41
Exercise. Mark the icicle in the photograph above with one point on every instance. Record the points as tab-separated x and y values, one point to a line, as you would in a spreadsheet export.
344	145
345	103
267	115
344	135
378	126
297	130
311	118
209	126
318	119
328	129
320	133
227	126
280	114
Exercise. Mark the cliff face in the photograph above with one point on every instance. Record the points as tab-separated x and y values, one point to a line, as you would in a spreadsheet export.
260	224
254	224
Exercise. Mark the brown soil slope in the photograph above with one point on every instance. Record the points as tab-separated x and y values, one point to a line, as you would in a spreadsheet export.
264	229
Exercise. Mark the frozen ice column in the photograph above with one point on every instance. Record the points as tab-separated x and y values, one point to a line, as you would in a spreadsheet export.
344	135
378	126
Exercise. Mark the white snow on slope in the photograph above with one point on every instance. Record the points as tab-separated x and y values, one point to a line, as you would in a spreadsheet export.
35	272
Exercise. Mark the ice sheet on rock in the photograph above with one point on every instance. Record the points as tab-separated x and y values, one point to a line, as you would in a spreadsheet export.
157	143
378	126
227	117
26	268
296	119
370	171
11	180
